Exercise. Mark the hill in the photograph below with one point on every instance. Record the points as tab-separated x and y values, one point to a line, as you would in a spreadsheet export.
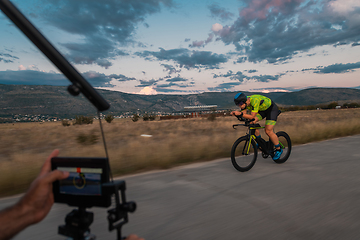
314	96
56	101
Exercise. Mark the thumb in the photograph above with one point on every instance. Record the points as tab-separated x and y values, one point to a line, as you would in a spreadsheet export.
55	175
47	165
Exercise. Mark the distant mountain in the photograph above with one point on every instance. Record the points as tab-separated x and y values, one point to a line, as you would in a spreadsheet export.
56	101
314	96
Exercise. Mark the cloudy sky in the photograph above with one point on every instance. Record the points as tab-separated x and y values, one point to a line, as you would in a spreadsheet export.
189	46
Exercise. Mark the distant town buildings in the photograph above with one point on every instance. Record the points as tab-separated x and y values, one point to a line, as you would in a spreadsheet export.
34	118
187	112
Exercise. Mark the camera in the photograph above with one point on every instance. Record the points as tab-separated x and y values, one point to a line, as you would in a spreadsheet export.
89	185
84	186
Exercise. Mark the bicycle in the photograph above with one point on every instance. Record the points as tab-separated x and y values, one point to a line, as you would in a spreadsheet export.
244	150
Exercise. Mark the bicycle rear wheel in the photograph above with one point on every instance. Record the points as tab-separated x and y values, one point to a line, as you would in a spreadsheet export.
285	143
243	155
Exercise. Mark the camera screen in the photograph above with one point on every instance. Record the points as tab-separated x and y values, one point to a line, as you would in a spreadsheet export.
84	186
81	181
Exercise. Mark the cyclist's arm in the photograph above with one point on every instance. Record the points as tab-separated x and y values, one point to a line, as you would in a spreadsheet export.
235	113
250	116
245	115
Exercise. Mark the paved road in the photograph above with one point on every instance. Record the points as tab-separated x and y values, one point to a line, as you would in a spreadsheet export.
315	195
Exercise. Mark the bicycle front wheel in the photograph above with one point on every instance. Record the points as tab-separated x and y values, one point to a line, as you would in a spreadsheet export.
243	154
285	144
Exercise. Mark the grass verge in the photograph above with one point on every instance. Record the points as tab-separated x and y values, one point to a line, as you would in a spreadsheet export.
25	146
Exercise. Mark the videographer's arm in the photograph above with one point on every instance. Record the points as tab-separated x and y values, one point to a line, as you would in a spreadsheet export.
34	205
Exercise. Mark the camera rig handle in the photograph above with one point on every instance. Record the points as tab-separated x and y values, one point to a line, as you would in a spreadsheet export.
77	225
118	216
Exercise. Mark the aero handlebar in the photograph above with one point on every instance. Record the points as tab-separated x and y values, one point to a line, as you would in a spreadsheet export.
247	122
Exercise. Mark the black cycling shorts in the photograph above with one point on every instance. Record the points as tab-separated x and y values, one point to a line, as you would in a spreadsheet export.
270	114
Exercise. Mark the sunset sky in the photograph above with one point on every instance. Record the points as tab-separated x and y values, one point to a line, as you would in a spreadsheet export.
189	46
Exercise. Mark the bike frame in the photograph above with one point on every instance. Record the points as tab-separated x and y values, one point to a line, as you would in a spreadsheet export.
264	148
248	147
251	136
248	144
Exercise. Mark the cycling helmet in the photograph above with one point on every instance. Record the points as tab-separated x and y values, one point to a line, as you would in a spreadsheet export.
240	98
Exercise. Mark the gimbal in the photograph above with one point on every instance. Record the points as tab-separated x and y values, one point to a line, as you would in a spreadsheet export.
78	221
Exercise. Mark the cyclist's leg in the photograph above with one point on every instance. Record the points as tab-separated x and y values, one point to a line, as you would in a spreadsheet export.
269	130
259	116
271	118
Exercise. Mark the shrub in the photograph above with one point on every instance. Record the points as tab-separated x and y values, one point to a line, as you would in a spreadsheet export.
297	108
332	105
354	105
83	120
109	118
311	107
212	116
152	117
351	105
87	139
65	123
135	118
146	117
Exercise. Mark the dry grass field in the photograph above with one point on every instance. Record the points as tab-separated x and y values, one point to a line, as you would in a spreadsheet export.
24	146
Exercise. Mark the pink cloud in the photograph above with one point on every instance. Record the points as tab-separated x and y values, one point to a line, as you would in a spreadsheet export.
22	68
197	43
148	91
259	9
223	32
202	43
209	39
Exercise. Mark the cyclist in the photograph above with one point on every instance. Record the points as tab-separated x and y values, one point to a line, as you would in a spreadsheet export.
261	107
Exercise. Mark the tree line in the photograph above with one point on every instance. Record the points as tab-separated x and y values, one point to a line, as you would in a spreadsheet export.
332	105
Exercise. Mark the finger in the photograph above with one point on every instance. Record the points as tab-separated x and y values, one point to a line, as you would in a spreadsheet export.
47	165
133	237
56	175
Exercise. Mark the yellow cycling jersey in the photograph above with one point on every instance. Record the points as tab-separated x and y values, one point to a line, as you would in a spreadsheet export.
258	103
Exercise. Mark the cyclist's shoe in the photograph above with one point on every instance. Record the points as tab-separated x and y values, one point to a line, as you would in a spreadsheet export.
277	154
257	146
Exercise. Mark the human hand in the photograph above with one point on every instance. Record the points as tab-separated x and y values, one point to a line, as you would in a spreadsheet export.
233	113
38	200
133	237
255	120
